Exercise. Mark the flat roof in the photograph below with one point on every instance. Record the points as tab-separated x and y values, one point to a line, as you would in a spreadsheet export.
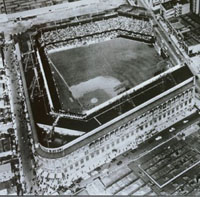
191	42
170	4
5	168
188	26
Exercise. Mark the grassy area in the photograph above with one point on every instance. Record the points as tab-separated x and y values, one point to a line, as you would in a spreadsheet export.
129	62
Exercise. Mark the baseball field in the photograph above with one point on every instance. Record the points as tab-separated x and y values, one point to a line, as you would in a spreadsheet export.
90	75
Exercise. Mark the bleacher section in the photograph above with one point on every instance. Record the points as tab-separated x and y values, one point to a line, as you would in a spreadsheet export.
75	31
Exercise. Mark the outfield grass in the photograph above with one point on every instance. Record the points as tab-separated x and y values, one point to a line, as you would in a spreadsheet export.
122	59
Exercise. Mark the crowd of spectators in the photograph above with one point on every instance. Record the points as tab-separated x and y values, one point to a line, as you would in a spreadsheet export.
95	28
90	39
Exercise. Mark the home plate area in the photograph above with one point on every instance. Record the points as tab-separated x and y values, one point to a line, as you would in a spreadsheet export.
93	99
96	91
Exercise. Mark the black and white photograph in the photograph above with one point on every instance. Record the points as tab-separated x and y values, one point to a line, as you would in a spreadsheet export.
100	97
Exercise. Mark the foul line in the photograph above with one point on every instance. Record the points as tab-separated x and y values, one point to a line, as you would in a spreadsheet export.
45	81
64	80
97	120
59	73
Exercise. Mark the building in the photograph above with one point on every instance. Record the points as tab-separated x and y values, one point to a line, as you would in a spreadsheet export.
148	109
186	29
174	9
12	6
195	6
155	4
162	101
191	43
6	172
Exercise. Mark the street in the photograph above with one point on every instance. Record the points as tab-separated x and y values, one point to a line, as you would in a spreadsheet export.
161	32
20	118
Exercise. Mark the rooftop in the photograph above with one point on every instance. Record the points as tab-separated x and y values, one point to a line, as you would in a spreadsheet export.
170	4
189	27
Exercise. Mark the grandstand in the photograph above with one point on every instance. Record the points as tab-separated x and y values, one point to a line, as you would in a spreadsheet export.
63	96
73	34
121	23
159	103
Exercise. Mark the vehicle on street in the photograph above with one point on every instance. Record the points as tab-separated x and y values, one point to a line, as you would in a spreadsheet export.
94	173
185	121
119	163
172	129
158	138
113	160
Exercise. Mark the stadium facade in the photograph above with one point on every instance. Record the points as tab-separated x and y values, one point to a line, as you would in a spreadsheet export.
195	6
120	125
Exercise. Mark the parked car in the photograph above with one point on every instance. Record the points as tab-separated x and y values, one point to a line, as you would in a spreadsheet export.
172	129
119	163
158	138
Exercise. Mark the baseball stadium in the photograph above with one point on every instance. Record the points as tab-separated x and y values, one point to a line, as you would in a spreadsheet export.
97	88
96	70
87	70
